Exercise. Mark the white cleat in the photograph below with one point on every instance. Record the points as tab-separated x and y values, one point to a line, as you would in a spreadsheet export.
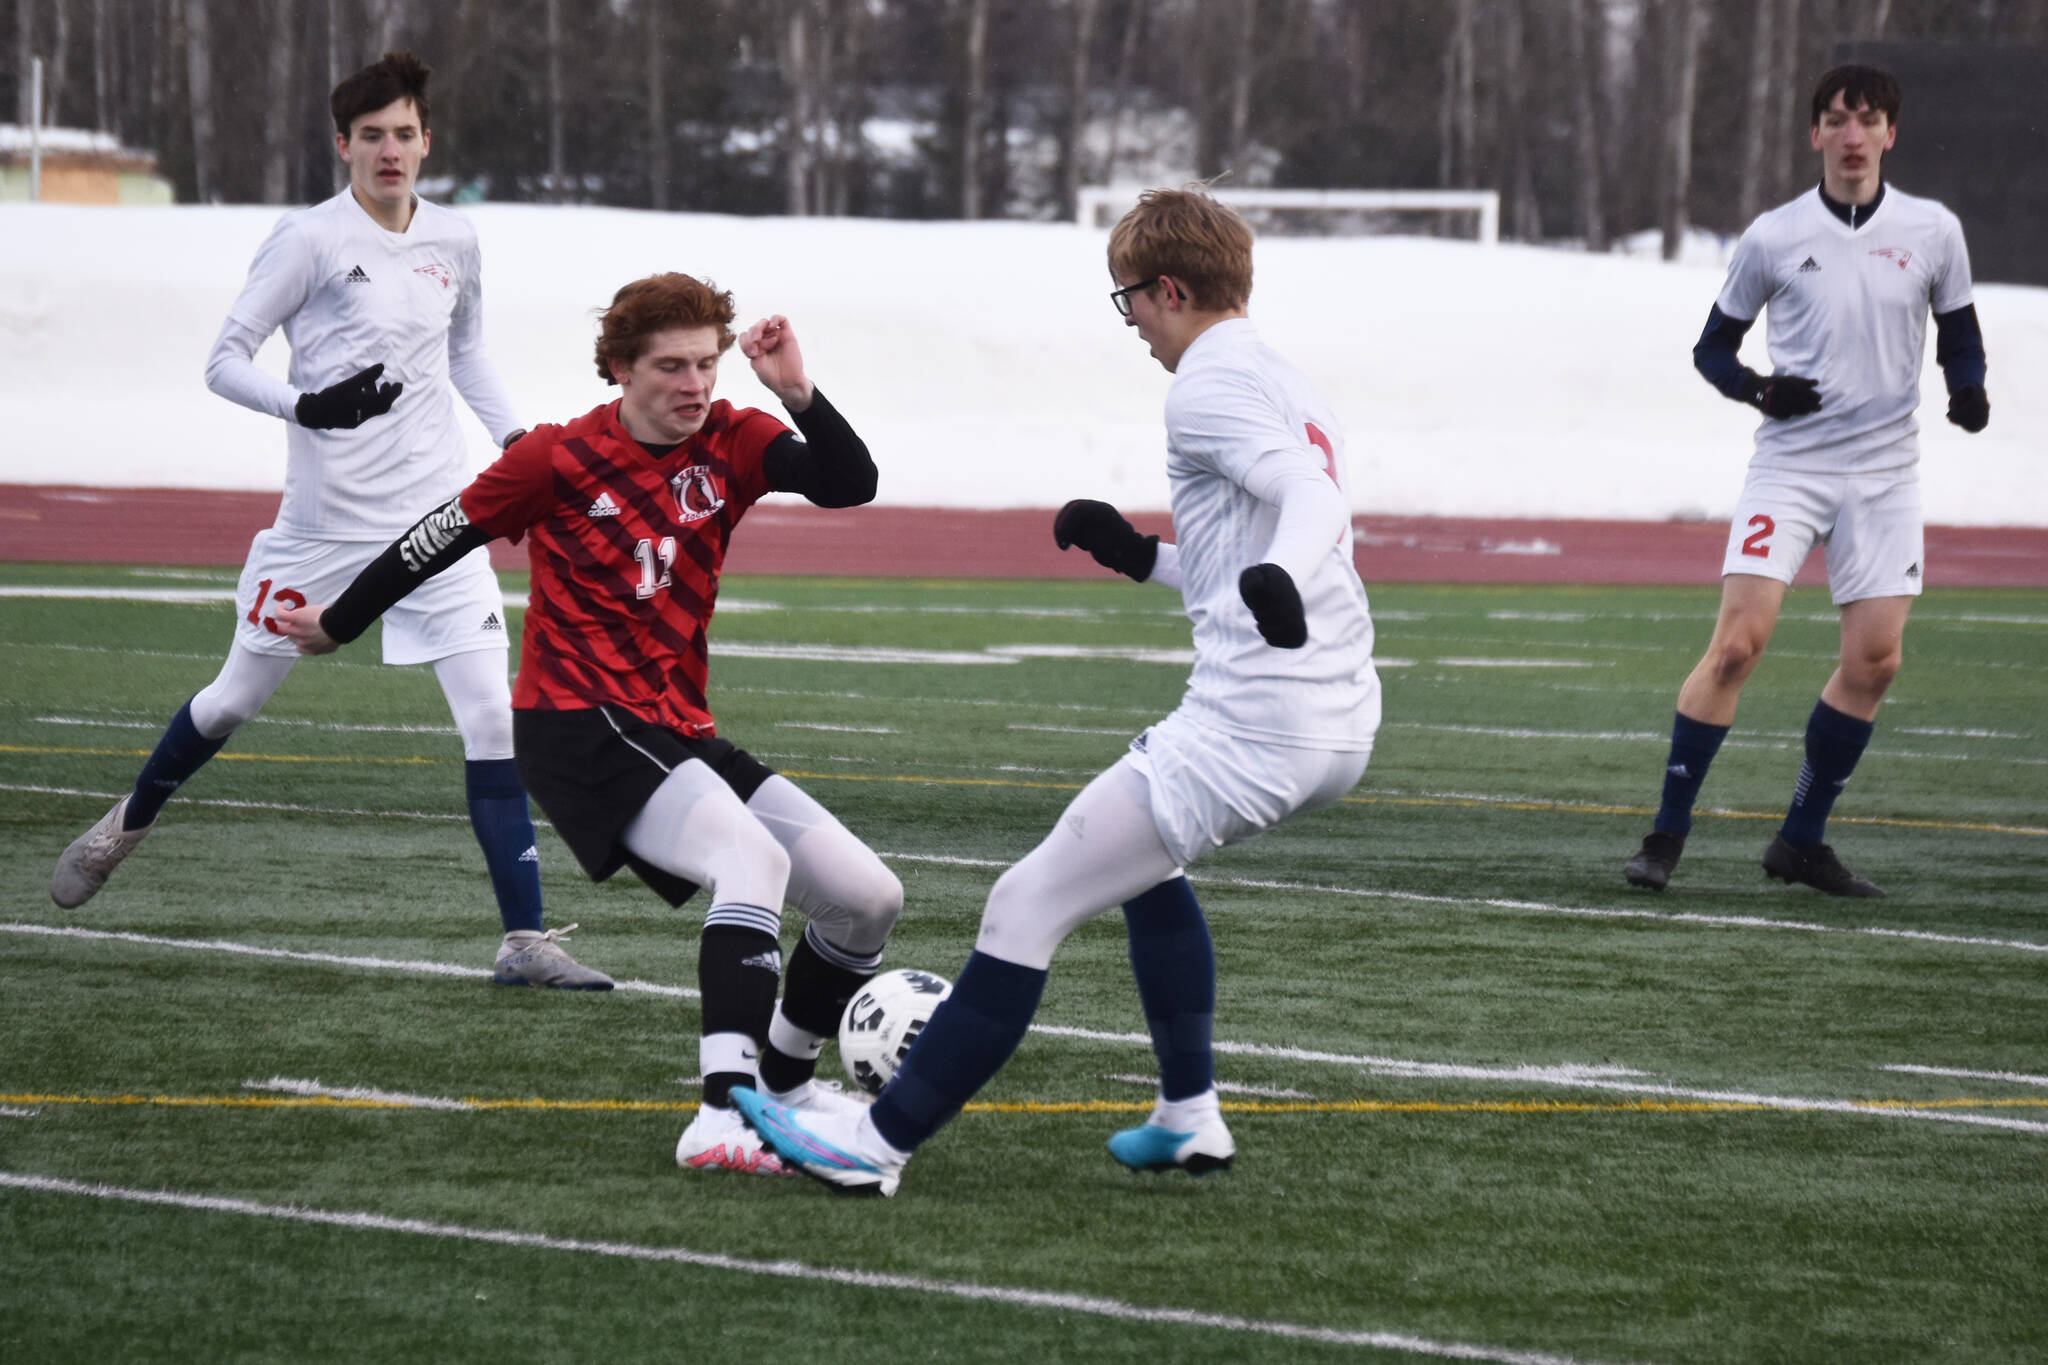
819	1098
719	1140
85	866
840	1150
534	957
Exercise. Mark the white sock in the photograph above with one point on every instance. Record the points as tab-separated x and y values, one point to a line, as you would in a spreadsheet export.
1184	1116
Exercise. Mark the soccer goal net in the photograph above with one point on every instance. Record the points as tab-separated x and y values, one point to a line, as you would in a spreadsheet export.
1333	213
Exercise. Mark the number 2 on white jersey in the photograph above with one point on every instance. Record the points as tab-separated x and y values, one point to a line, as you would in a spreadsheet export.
654	564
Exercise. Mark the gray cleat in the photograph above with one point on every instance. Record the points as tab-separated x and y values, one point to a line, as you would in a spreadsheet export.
534	957
85	866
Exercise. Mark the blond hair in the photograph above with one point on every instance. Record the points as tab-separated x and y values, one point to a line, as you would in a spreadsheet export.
1192	237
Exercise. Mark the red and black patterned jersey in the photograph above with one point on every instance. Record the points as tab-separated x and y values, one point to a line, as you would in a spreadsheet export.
625	557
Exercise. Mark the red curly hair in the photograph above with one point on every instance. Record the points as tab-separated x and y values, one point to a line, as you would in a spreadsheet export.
659	303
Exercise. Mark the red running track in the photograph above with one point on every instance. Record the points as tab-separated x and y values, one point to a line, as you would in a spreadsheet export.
69	524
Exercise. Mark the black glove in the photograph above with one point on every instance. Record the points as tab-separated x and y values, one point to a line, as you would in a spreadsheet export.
1784	395
1102	531
1269	591
1969	408
349	404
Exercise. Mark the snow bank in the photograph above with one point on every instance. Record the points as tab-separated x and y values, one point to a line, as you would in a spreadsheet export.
986	368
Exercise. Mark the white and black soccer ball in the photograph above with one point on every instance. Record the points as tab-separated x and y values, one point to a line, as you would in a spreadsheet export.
882	1020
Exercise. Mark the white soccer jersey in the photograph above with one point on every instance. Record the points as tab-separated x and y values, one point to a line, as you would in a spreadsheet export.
1233	403
349	294
1848	309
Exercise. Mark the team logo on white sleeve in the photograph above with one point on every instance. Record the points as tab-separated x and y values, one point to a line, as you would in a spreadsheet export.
697	493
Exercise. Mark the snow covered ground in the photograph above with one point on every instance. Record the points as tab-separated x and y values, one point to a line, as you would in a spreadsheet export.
986	368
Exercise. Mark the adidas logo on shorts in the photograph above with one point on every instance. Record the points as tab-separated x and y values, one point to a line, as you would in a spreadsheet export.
603	507
1913	571
491	622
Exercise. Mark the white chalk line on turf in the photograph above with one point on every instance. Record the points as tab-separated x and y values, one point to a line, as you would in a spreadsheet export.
1544	908
383	964
1088	1305
8	1111
2014	1077
1568	1075
288	1085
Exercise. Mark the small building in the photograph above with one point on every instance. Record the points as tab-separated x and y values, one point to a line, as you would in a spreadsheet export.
80	166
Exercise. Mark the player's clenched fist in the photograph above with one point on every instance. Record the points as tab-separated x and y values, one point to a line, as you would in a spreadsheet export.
301	625
1969	409
1102	531
770	346
1269	591
1787	395
348	404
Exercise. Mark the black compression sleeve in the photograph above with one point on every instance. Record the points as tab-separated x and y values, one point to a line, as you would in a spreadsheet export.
1959	348
436	542
1714	355
830	466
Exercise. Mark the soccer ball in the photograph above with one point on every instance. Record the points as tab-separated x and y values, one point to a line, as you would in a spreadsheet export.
881	1022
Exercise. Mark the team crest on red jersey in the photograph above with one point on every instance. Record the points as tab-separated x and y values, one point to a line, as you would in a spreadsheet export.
697	493
1897	255
439	274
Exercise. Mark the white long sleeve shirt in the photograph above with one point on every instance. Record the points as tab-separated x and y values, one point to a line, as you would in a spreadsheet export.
350	294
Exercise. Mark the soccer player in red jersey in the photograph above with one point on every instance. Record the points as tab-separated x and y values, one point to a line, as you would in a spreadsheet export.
629	509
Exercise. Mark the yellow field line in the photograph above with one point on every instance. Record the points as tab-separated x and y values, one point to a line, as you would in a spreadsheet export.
1518	1107
1438	802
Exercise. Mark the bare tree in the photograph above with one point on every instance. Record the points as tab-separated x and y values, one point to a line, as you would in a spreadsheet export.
1687	21
971	18
1525	214
1126	62
1587	24
558	171
1242	45
1760	133
24	61
277	129
199	92
799	79
1458	112
657	105
102	103
1082	43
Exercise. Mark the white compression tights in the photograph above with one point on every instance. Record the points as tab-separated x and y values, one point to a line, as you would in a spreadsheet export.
479	697
1104	850
780	845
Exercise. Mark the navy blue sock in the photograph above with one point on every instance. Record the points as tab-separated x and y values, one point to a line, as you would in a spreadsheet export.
1693	746
1175	964
181	752
504	830
1834	742
970	1036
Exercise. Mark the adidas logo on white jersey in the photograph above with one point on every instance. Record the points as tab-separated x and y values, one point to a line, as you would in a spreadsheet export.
1809	264
357	276
603	507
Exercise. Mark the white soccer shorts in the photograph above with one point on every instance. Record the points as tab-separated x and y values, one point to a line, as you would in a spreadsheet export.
455	612
1209	789
1870	523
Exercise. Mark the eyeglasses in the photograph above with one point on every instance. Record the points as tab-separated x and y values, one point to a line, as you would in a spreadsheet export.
1122	297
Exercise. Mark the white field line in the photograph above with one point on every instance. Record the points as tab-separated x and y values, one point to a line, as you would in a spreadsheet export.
1544	908
1363	893
381	964
1568	1075
1114	1309
1466	662
845	729
853	654
1070	730
1264	1092
8	1111
2013	1077
287	1085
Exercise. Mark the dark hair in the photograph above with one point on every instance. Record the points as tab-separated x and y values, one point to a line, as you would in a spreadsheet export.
1858	86
657	304
398	76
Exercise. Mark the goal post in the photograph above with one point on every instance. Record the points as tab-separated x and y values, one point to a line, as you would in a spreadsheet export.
1484	205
